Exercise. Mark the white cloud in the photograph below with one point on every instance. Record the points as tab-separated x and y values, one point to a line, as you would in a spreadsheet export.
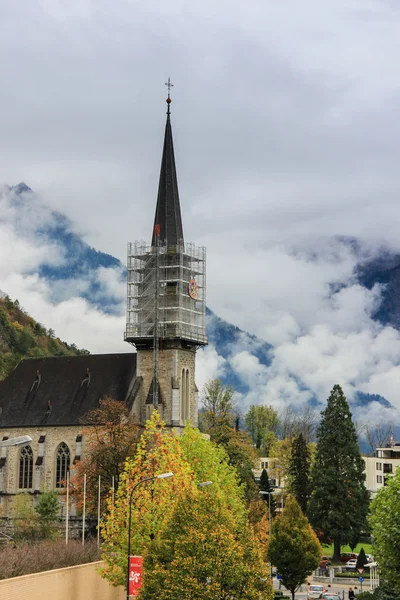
286	129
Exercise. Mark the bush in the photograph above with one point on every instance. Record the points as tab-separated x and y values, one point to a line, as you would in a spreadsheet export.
35	557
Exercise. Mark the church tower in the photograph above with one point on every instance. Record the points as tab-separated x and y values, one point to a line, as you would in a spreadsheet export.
166	311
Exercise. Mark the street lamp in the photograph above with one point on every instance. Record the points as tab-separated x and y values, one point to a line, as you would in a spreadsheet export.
16	441
263	493
161	476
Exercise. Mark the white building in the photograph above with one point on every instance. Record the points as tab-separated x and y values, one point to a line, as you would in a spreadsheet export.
378	468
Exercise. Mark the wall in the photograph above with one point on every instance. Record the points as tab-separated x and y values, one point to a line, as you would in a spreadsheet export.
72	583
43	475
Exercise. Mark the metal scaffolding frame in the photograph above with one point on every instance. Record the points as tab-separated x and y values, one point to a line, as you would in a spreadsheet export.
166	292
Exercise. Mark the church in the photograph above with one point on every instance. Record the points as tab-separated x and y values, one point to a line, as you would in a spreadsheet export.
48	398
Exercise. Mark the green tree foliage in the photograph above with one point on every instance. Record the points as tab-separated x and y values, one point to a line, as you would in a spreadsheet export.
26	519
152	502
265	486
383	592
262	423
21	337
294	548
361	559
48	507
385	529
218	408
205	552
338	503
219	422
299	471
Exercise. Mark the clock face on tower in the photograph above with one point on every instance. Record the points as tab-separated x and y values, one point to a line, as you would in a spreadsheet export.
193	289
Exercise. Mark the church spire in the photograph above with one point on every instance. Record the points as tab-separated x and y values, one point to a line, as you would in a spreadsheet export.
168	221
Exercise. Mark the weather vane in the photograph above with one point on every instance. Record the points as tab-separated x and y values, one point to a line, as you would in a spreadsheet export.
169	86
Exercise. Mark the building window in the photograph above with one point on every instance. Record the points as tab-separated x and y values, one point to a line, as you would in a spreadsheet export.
387	468
379	478
379	466
25	468
63	462
185	396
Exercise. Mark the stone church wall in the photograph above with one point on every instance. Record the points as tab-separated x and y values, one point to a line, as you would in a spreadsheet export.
171	364
44	474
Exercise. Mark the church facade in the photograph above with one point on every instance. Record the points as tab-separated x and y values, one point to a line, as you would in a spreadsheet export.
48	398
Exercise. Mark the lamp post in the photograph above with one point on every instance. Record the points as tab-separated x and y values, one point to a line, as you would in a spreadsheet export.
16	441
161	476
263	493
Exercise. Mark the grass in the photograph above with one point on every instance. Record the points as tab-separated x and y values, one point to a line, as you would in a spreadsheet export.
328	550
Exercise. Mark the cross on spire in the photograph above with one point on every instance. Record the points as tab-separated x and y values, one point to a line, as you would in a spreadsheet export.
169	86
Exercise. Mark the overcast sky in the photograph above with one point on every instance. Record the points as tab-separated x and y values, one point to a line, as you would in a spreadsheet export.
286	126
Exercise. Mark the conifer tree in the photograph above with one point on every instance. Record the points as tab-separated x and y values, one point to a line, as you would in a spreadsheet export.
265	486
361	559
299	471
339	500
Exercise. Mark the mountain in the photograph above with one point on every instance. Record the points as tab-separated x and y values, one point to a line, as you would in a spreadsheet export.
21	337
74	269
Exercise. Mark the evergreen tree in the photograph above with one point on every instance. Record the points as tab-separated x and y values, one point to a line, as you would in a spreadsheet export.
299	471
361	559
265	486
338	502
294	548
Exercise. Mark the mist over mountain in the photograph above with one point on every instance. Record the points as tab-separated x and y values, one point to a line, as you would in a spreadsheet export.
80	292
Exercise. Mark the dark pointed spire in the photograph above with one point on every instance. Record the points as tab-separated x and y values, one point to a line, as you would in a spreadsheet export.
168	220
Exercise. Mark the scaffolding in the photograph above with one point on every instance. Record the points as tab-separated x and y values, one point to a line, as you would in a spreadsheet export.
166	293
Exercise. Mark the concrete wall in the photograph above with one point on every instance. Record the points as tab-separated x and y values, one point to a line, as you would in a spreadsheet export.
72	583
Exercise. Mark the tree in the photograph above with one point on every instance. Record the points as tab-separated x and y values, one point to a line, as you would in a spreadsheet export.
218	407
152	502
219	423
111	436
48	507
361	559
265	486
25	518
378	435
294	548
262	423
205	552
385	530
299	471
338	502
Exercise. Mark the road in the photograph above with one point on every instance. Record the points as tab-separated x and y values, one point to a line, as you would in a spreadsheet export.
302	593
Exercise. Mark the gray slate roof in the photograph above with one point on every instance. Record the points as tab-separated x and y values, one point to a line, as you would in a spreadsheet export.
61	390
168	210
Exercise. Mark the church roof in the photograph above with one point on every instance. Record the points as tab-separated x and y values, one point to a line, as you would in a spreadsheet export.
61	390
168	211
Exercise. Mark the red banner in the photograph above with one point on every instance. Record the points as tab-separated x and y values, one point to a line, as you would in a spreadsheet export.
135	575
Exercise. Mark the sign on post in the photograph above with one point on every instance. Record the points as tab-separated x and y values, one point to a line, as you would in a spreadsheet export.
135	574
361	570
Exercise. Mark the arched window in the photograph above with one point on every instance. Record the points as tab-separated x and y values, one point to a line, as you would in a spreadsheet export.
25	468
63	462
187	398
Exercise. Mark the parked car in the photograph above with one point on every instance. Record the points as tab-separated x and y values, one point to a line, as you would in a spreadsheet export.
315	591
330	596
351	564
345	556
370	558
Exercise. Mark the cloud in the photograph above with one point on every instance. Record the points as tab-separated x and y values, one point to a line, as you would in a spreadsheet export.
286	128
